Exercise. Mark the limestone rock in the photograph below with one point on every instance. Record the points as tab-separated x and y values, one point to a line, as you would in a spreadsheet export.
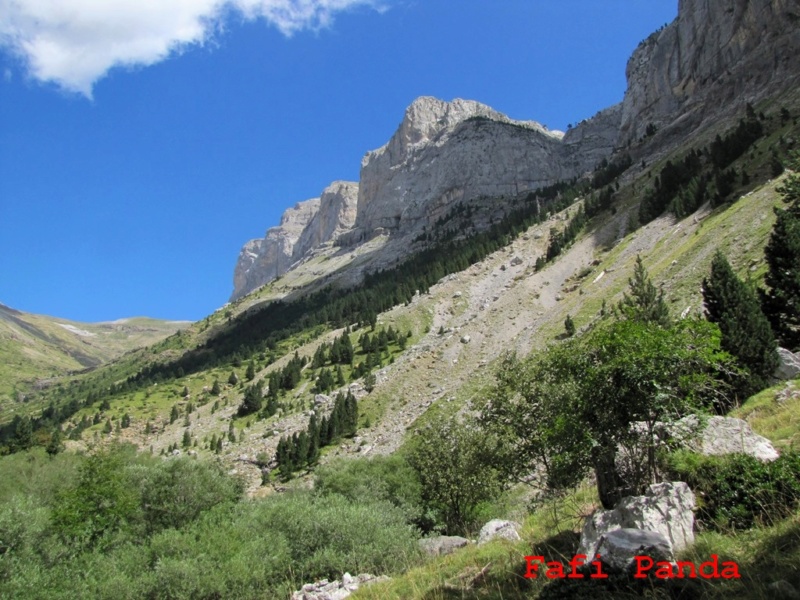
497	528
442	544
714	56
666	508
618	548
726	435
336	590
261	261
336	215
592	140
444	152
789	367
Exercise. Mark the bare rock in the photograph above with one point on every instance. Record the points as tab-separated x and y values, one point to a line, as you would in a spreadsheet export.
789	367
441	545
497	528
618	548
336	590
726	435
666	508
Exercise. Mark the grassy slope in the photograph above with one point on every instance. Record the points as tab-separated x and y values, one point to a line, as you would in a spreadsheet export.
35	347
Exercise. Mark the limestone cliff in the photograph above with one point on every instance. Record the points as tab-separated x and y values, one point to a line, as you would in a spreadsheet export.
336	214
265	259
715	56
444	152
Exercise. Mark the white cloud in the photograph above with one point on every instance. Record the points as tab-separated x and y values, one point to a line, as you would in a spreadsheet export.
74	43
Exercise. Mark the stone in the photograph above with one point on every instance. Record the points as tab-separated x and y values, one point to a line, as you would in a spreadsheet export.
336	590
666	508
727	435
618	548
465	339
497	528
516	261
789	367
442	544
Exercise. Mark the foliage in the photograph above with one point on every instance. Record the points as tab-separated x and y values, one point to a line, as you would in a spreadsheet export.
570	407
738	491
781	302
252	401
450	459
382	478
746	332
645	304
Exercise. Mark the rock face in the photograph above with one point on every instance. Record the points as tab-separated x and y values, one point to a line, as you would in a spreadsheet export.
666	508
336	215
713	56
444	152
587	144
304	227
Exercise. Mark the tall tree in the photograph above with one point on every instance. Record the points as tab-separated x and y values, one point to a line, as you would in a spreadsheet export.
746	333
643	303
781	302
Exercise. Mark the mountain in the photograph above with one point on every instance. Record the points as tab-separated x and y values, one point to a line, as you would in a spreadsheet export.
474	234
37	348
682	79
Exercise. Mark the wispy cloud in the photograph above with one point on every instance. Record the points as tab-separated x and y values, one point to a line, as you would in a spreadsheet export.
74	43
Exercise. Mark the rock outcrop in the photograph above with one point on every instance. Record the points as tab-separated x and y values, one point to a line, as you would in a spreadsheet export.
713	57
263	260
666	508
444	152
497	528
442	544
618	548
304	227
336	590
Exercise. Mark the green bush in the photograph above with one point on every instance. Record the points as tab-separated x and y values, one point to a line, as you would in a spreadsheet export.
382	478
738	491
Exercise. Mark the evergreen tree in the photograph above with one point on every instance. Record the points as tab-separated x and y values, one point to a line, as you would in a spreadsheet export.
781	302
187	438
645	304
108	427
231	433
174	414
569	326
126	421
253	398
233	379
55	445
215	388
746	333
250	374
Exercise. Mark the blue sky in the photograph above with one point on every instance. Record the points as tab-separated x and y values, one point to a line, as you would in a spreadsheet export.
141	147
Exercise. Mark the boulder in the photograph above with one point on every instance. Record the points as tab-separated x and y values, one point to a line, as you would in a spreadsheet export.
497	528
726	435
789	367
441	545
666	508
335	590
618	548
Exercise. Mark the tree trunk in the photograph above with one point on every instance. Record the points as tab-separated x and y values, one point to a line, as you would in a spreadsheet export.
610	486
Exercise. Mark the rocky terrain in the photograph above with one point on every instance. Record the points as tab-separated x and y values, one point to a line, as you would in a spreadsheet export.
681	79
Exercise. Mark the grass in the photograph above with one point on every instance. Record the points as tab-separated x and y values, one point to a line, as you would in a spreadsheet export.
775	414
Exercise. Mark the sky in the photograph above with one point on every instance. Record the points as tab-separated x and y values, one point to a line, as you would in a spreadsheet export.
143	142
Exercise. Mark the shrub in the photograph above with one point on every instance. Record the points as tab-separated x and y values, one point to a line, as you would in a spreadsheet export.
738	491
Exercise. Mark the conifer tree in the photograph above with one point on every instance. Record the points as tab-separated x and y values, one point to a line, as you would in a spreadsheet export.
746	333
250	374
645	304
215	388
781	301
174	414
569	326
187	438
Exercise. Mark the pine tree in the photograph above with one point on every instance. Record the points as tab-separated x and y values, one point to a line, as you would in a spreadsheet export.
187	438
569	326
781	301
233	379
126	421
746	333
215	388
250	374
645	304
253	398
54	446
174	414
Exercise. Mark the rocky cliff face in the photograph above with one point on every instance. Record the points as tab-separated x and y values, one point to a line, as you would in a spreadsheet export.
336	214
263	260
716	55
444	152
